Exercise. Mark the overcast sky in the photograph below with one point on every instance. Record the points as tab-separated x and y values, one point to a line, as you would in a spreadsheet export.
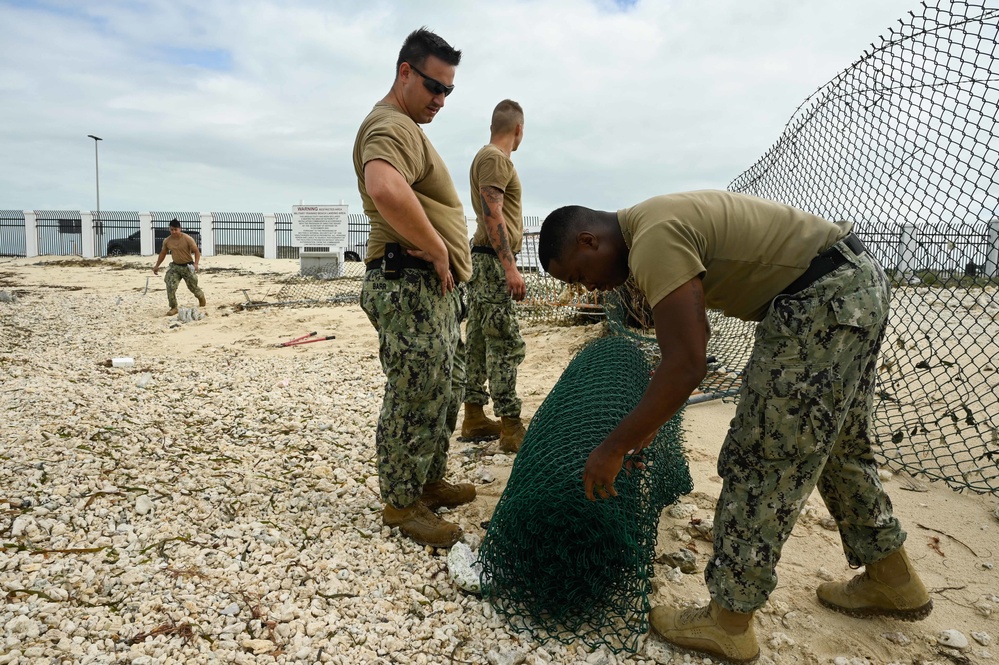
252	105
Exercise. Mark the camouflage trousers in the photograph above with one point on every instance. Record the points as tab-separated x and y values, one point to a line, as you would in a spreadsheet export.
803	421
420	348
174	274
494	346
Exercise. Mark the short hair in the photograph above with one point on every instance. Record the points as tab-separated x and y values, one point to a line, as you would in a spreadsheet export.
175	223
506	116
422	43
559	230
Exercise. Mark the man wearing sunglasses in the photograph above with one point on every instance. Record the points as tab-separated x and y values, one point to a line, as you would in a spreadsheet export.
417	252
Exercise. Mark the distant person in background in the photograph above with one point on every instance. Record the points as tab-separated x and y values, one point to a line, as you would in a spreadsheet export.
494	347
417	253
185	257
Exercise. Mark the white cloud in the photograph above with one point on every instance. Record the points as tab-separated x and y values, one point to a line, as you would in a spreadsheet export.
621	104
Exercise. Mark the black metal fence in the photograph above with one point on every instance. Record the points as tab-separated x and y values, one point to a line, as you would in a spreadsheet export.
12	240
59	232
116	233
238	233
358	230
282	229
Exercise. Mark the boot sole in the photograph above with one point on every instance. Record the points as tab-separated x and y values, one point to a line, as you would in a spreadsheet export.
429	543
433	505
716	657
471	438
424	541
917	614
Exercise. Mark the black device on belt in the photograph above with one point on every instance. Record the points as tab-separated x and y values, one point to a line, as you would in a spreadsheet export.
395	260
823	264
482	249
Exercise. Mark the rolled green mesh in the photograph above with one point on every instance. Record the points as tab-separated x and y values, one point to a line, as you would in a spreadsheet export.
555	564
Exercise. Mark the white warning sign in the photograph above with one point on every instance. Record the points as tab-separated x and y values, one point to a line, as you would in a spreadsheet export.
319	226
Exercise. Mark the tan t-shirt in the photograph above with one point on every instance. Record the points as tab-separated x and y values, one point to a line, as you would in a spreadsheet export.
181	248
389	134
492	168
748	249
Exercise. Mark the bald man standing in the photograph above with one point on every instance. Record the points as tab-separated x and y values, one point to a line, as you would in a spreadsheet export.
494	346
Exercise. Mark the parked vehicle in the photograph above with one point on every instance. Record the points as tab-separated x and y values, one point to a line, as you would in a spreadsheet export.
132	244
356	253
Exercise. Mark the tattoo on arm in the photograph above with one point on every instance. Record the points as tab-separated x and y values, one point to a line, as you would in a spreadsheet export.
490	194
501	243
504	246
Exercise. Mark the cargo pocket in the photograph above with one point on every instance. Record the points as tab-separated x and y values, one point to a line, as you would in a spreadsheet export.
860	308
796	409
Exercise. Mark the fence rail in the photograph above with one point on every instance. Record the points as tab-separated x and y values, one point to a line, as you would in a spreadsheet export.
970	248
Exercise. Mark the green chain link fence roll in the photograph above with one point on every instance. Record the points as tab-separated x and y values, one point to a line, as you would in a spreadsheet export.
556	564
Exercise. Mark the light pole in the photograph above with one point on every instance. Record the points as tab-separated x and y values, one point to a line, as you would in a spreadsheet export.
97	171
98	227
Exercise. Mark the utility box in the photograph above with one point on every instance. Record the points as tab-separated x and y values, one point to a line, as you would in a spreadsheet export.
319	262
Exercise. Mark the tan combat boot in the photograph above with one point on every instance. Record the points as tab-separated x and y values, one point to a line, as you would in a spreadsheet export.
202	301
708	631
444	494
420	524
476	425
512	433
889	587
173	310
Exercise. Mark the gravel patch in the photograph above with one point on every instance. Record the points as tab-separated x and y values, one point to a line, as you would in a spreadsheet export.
221	506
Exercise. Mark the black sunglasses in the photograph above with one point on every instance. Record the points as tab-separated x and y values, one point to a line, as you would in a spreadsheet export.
434	86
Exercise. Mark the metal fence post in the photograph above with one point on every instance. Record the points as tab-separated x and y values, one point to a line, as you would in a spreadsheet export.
87	234
908	249
147	246
991	252
270	235
207	234
30	234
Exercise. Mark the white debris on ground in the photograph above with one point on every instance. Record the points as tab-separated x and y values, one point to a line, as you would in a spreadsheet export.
224	507
208	511
464	567
188	314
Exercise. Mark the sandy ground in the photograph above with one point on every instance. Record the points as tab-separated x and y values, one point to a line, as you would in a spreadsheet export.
953	538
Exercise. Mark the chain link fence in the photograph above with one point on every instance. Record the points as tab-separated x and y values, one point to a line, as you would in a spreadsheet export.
903	143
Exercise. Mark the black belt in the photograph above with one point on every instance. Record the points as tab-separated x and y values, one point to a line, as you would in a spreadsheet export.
407	262
184	264
823	264
482	249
